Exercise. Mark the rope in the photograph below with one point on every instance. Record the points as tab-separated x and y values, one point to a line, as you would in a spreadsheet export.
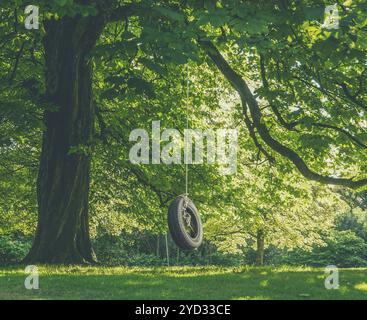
187	127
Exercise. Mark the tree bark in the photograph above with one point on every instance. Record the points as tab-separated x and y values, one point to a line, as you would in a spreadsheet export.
158	247
260	247
63	181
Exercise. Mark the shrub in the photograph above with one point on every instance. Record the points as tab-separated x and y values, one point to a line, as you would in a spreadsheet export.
13	248
345	249
117	251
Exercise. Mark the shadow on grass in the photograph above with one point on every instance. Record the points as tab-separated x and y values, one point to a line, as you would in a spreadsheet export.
182	283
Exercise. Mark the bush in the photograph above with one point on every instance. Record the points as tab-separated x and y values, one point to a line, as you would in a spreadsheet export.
112	250
118	251
345	249
13	248
137	259
229	260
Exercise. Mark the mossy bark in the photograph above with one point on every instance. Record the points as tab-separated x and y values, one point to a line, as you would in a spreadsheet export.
63	182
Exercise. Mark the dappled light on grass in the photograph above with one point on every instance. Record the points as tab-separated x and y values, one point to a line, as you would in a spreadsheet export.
60	282
361	286
264	283
252	298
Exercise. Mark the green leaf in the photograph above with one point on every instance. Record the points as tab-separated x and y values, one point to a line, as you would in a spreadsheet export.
169	13
153	66
63	3
141	86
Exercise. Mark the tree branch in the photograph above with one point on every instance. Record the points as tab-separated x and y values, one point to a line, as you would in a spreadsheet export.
250	128
239	84
291	125
121	13
278	115
17	59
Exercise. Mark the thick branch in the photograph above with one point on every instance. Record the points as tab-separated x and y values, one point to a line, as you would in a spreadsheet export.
291	125
250	128
247	98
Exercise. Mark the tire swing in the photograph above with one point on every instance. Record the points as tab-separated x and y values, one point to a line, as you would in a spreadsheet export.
185	224
184	221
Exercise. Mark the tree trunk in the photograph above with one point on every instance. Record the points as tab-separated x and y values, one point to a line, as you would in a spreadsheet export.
63	181
158	247
260	243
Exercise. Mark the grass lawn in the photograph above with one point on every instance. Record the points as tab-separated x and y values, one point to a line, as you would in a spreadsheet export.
182	283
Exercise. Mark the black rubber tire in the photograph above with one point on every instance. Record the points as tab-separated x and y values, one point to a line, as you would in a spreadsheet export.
176	224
